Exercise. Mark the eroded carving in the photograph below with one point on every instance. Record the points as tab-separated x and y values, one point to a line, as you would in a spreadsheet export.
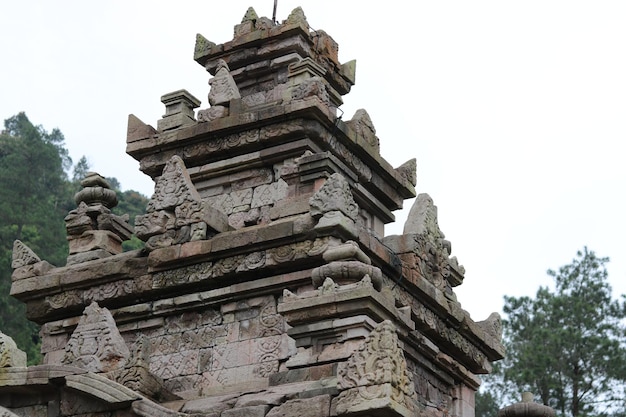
334	195
96	344
10	355
492	326
377	370
223	87
423	249
408	171
176	213
312	87
23	255
362	125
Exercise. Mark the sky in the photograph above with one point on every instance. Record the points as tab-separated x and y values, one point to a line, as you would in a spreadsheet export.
515	111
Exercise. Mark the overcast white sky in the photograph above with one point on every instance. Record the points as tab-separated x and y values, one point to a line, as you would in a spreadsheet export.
515	111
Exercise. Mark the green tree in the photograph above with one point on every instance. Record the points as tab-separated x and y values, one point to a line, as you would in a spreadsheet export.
80	170
486	403
33	196
568	346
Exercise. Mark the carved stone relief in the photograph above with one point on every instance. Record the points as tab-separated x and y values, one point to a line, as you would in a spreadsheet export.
377	370
96	344
10	355
223	87
334	195
362	125
176	213
23	255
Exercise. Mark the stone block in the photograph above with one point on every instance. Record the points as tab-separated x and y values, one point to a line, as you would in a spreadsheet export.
251	411
27	271
214	404
268	194
96	239
318	406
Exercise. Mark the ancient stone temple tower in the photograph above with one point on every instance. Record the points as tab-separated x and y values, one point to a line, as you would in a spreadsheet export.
267	286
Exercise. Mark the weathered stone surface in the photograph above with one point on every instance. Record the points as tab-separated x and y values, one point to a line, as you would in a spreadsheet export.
10	355
333	196
376	376
23	255
138	130
94	232
251	411
176	213
179	107
7	413
266	286
223	87
318	406
96	345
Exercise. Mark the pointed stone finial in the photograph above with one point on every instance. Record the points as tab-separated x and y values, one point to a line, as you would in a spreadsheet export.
364	128
176	212
137	130
223	87
422	218
297	17
10	355
248	23
173	187
334	195
23	255
492	326
203	47
408	171
250	15
96	344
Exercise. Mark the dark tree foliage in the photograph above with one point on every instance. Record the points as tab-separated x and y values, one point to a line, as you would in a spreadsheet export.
80	170
486	404
35	196
568	346
133	204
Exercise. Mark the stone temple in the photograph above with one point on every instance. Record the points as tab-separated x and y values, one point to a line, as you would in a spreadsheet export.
266	286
